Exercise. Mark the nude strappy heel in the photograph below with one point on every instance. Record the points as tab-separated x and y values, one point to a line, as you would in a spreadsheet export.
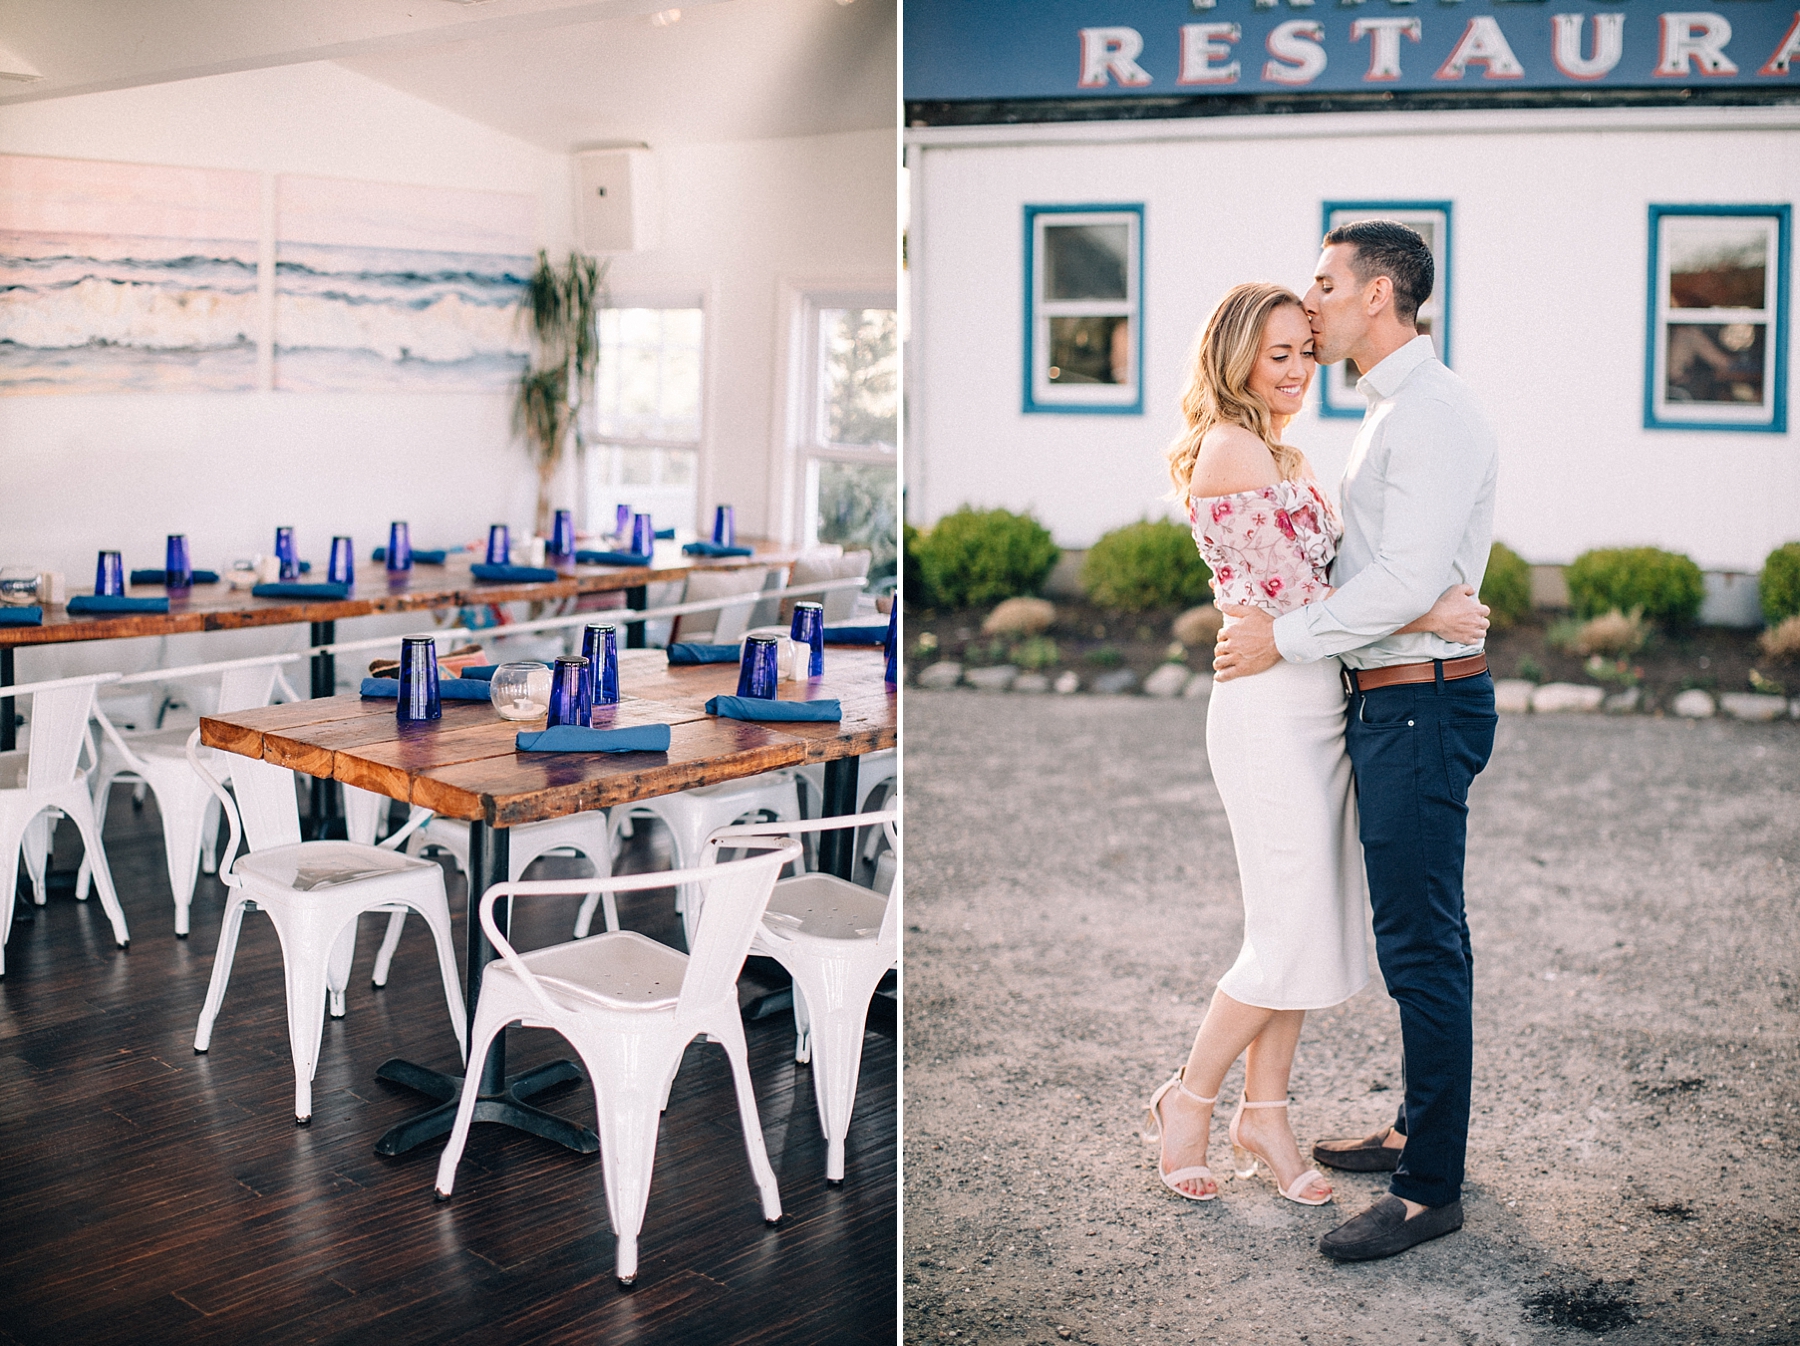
1153	1132
1244	1159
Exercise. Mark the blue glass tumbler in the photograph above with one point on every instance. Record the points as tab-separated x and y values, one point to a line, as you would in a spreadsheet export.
343	561
893	639
562	534
178	569
622	523
600	644
399	547
809	630
418	681
567	703
724	527
284	552
643	535
109	575
759	673
499	550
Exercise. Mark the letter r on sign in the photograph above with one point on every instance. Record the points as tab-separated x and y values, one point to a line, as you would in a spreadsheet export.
1114	52
1701	37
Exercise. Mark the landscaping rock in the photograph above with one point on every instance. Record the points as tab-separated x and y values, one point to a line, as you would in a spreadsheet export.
995	679
1119	680
1200	686
1512	696
1167	680
944	673
1554	697
1693	704
1623	703
1066	682
1031	682
1794	708
1753	706
1020	617
1198	628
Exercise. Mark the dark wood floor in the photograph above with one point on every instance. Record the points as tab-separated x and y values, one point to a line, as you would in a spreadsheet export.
149	1195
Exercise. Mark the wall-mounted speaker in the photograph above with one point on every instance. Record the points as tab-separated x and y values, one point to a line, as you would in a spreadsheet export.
617	207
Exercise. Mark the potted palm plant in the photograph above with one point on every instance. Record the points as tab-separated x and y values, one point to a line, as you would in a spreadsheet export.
559	310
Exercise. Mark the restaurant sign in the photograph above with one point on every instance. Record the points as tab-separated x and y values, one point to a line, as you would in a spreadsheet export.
1017	49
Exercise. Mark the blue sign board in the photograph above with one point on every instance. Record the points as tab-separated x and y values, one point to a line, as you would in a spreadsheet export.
1024	49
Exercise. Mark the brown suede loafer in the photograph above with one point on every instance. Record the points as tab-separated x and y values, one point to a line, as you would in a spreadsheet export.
1383	1230
1367	1155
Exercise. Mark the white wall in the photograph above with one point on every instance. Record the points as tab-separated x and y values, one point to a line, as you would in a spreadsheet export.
1549	239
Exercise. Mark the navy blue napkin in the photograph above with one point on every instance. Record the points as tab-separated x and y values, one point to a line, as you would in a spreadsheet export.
100	603
755	708
428	558
31	616
856	635
613	558
686	653
486	671
667	534
289	589
157	576
580	738
715	549
513	574
449	689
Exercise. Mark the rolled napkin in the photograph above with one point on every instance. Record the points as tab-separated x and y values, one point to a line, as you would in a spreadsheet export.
102	603
613	558
290	589
715	549
856	635
512	574
579	738
683	652
755	708
31	616
668	534
486	671
429	558
449	689
158	576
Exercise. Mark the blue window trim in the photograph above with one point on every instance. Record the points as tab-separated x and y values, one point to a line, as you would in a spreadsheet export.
1440	338
1031	405
1777	422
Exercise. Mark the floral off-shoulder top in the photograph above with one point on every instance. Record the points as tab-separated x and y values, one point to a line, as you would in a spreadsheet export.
1269	548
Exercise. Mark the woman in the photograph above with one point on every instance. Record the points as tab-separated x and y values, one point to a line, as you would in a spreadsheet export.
1275	742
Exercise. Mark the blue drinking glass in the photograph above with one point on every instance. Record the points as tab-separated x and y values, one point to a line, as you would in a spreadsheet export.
562	534
809	629
643	535
893	638
567	704
418	681
622	525
499	550
399	547
284	552
724	527
600	644
759	673
343	561
178	569
109	575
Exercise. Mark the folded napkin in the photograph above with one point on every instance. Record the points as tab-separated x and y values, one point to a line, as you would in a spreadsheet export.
31	616
513	574
86	603
449	689
157	576
486	671
429	558
686	653
667	533
856	635
755	708
715	549
613	558
579	738
289	589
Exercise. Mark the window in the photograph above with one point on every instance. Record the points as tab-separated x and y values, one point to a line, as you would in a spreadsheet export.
647	417
851	358
1337	383
1084	331
1717	349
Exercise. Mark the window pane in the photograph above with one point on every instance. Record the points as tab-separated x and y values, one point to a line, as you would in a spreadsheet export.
678	466
1719	265
657	482
858	376
1086	261
1090	350
856	507
648	384
637	466
1716	362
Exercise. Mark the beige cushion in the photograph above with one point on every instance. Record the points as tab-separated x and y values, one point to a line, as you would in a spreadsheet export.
705	584
818	565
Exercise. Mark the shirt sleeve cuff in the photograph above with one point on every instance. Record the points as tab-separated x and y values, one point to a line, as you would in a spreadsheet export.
1293	640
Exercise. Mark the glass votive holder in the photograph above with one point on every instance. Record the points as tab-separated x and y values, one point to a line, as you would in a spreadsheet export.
643	535
622	522
418	681
759	671
399	547
724	527
808	635
600	646
343	561
520	691
109	575
567	704
284	553
20	586
178	568
562	534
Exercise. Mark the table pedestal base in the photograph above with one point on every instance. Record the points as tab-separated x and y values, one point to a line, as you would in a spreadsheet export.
508	1106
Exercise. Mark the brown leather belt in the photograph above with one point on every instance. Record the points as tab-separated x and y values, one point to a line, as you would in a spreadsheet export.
1368	679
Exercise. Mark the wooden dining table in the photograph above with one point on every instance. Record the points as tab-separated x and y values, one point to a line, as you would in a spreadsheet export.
466	766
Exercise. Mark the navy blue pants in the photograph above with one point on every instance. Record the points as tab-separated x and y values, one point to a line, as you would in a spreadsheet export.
1415	749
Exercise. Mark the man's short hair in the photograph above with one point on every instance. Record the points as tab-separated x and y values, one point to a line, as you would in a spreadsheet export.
1388	248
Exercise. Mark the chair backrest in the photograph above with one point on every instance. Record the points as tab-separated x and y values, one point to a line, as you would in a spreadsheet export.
246	687
727	623
59	716
730	838
735	893
265	802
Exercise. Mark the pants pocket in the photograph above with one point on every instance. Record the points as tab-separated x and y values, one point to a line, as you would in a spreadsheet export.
1468	743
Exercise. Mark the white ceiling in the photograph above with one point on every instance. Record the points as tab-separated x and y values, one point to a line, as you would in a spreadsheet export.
558	73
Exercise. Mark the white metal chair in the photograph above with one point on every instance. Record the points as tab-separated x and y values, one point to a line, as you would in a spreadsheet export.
726	624
874	770
51	781
837	940
312	891
629	1006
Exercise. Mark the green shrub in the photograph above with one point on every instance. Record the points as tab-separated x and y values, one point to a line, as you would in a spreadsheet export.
1666	586
1780	584
976	556
912	574
1506	587
1146	565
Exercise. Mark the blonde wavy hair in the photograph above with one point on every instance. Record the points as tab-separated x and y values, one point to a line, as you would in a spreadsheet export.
1218	392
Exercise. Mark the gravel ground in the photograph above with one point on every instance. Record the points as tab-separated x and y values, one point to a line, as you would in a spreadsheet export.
1635	1147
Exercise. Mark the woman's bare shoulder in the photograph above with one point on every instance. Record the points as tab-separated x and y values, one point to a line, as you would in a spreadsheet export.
1232	459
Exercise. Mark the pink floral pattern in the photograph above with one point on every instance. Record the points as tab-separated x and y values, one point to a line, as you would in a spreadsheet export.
1270	548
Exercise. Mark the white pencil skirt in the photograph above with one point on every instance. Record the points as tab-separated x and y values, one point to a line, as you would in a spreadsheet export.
1276	744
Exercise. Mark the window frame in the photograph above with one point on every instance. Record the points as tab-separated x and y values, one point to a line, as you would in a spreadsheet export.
1040	395
1335	401
1771	419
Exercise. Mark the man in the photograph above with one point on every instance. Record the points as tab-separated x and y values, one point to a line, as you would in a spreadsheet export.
1418	501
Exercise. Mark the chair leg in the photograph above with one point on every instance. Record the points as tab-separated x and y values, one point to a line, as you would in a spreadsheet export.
36	844
183	822
337	967
802	1027
628	1118
209	837
729	1034
384	957
438	919
836	1042
13	838
221	970
487	1025
306	982
81	812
